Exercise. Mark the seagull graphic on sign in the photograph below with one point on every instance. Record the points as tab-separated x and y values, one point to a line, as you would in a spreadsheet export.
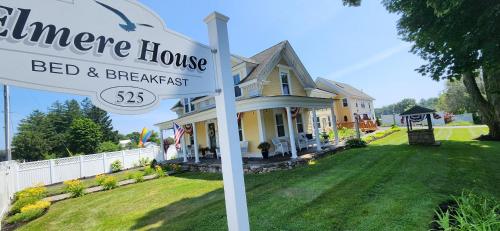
129	25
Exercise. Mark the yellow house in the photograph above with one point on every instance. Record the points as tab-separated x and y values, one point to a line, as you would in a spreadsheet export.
273	99
349	102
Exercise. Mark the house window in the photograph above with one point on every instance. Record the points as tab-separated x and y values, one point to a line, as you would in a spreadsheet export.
318	122
285	86
369	105
188	106
280	126
363	105
300	123
344	102
191	139
240	130
356	103
237	89
329	121
345	119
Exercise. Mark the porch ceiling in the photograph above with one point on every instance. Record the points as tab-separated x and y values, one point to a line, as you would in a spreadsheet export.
251	104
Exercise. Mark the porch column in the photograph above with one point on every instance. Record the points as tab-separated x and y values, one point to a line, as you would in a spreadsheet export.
291	132
316	130
195	138
262	126
334	125
162	148
184	148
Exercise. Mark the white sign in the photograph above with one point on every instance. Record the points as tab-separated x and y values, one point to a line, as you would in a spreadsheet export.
116	52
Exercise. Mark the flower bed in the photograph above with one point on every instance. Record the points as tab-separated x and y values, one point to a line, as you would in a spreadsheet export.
381	134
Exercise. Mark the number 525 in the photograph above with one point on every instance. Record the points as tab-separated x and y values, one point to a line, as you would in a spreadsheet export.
129	97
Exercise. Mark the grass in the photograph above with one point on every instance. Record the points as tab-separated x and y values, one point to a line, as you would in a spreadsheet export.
386	186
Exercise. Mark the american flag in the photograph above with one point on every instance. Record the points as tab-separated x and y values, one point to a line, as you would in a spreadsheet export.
178	133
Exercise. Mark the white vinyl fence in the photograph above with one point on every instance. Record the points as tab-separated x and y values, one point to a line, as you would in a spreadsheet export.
8	184
53	171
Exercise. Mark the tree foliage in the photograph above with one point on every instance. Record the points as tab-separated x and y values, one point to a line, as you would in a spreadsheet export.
32	140
84	136
396	108
101	118
460	40
456	99
50	135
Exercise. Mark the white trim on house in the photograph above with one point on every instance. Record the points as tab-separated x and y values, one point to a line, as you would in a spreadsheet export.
263	102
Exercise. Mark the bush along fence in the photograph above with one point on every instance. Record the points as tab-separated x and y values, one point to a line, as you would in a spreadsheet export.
16	176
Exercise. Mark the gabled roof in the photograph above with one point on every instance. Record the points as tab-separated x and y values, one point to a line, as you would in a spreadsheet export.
416	110
341	88
270	57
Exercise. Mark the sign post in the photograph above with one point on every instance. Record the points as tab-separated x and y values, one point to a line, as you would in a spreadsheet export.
232	166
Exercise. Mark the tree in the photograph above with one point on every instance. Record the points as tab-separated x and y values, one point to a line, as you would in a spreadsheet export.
455	99
108	146
84	136
460	40
30	143
396	108
429	103
101	118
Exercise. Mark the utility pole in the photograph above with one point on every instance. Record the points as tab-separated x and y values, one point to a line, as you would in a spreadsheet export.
6	105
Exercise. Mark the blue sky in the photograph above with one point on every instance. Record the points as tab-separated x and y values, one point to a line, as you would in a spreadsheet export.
358	46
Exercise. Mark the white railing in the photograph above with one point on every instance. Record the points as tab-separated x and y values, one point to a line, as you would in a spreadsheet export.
8	185
54	171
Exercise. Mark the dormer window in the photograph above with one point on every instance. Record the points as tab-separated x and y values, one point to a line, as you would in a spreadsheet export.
237	89
188	106
285	83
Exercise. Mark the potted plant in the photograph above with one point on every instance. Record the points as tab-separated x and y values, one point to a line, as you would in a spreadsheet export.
264	148
203	151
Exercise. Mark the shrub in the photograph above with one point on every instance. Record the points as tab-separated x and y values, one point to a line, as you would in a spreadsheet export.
37	191
25	216
41	204
471	212
116	166
74	187
145	161
109	182
148	170
20	203
99	179
379	135
108	146
138	176
159	171
356	143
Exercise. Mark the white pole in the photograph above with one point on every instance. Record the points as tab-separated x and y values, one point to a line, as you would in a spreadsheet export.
334	125
316	130
291	132
195	139
232	164
6	105
162	148
184	147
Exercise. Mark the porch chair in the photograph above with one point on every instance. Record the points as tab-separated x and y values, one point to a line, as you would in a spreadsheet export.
309	142
302	142
280	146
244	147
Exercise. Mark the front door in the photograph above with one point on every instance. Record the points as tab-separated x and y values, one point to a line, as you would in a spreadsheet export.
211	135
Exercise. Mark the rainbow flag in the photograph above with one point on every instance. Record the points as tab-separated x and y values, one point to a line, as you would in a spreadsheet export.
145	135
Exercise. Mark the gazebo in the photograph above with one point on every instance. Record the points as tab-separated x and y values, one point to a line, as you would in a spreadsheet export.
418	114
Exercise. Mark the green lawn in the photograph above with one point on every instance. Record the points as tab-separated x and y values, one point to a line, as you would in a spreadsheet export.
387	186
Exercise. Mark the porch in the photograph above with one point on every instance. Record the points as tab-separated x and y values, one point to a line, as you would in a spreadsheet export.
259	165
289	119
